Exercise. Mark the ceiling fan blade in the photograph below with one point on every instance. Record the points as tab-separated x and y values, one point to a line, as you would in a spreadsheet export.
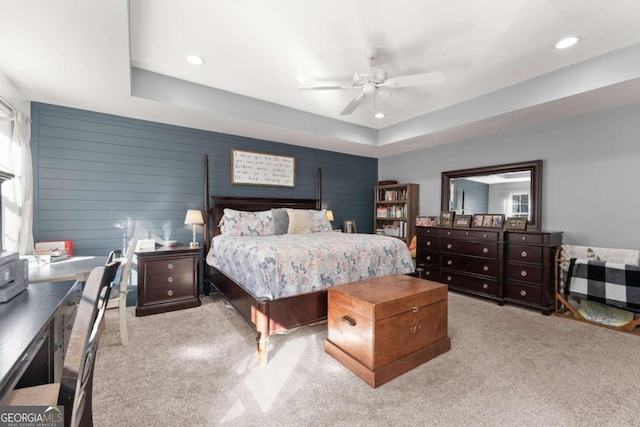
415	80
355	102
335	87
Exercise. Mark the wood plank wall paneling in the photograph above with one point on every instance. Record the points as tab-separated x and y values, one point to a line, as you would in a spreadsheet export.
101	179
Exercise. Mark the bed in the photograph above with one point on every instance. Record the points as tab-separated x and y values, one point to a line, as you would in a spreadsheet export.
266	309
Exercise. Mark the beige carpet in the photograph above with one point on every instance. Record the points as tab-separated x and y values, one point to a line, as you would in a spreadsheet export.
507	366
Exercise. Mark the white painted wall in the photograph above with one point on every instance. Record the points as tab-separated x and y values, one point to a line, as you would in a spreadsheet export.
12	95
590	176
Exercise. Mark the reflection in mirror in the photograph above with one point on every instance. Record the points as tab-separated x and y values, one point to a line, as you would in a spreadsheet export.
512	190
506	193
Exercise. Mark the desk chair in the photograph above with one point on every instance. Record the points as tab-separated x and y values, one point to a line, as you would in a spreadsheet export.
119	299
74	391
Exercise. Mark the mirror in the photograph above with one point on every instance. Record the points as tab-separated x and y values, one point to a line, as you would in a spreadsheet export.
512	189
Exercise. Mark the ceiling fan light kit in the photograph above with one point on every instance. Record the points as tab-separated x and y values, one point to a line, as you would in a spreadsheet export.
369	83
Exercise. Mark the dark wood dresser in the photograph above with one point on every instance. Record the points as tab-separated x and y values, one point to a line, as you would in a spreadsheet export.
504	266
470	261
167	279
530	273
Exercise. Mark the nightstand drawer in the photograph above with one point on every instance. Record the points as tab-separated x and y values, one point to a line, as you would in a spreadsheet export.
169	287
170	266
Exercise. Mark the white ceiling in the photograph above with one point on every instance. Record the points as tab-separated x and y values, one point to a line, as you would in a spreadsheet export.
128	58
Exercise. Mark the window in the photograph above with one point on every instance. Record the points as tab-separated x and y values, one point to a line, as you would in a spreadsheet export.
519	204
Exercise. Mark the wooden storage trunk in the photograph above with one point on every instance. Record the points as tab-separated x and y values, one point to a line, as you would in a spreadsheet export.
383	327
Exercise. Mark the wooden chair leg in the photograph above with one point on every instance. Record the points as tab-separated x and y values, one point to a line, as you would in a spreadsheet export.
122	315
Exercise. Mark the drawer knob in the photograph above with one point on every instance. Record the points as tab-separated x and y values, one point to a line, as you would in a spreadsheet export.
449	262
485	286
170	279
449	245
448	233
484	236
429	258
169	292
466	233
523	293
429	243
523	273
485	250
170	266
448	278
524	237
485	268
523	254
427	273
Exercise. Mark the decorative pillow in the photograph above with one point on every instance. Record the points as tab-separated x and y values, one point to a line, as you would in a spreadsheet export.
318	221
298	221
280	221
241	223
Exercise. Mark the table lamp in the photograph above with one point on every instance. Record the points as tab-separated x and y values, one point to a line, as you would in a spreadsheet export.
194	217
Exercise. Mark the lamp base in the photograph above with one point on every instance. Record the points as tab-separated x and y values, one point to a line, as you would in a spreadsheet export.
193	245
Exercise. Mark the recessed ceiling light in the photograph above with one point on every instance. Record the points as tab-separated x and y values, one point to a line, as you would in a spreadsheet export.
567	42
379	115
195	59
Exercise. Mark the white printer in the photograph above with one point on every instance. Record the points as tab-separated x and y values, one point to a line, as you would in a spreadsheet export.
14	275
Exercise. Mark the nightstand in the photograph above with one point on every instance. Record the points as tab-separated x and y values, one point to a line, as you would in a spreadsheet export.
167	279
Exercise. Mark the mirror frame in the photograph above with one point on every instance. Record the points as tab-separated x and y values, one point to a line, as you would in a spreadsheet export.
535	167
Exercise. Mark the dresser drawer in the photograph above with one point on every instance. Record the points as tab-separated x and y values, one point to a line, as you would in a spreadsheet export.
491	236
525	273
431	273
427	231
525	293
479	249
521	253
470	265
427	258
428	242
171	265
477	284
528	238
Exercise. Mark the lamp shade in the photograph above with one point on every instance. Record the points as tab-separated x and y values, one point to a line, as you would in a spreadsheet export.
194	216
330	215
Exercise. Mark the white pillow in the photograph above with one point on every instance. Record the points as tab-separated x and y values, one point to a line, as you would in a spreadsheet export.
298	221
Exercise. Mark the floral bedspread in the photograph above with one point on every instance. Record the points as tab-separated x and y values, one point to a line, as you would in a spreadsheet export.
292	264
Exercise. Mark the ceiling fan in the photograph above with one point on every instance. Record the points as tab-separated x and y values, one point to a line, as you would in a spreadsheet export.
370	83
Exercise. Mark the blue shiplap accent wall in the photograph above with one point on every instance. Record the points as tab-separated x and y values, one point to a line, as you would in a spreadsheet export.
100	179
476	196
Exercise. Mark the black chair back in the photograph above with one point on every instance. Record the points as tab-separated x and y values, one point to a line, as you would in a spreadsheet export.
77	374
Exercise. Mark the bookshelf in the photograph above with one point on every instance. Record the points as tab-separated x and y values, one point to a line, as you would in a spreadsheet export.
395	210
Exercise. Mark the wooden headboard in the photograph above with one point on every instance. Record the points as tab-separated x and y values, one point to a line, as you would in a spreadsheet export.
253	204
213	215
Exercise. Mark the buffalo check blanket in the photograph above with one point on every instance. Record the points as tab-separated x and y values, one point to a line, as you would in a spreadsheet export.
605	282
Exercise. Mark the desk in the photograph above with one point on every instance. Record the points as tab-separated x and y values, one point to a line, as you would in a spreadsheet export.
73	268
26	326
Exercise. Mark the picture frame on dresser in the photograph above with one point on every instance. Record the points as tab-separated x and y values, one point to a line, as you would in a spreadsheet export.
477	220
446	218
462	221
497	221
515	223
486	220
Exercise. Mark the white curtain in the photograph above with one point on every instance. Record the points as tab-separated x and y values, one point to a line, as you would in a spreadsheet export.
17	193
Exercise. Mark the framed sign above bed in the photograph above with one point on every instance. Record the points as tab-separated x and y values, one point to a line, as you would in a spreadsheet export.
251	168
